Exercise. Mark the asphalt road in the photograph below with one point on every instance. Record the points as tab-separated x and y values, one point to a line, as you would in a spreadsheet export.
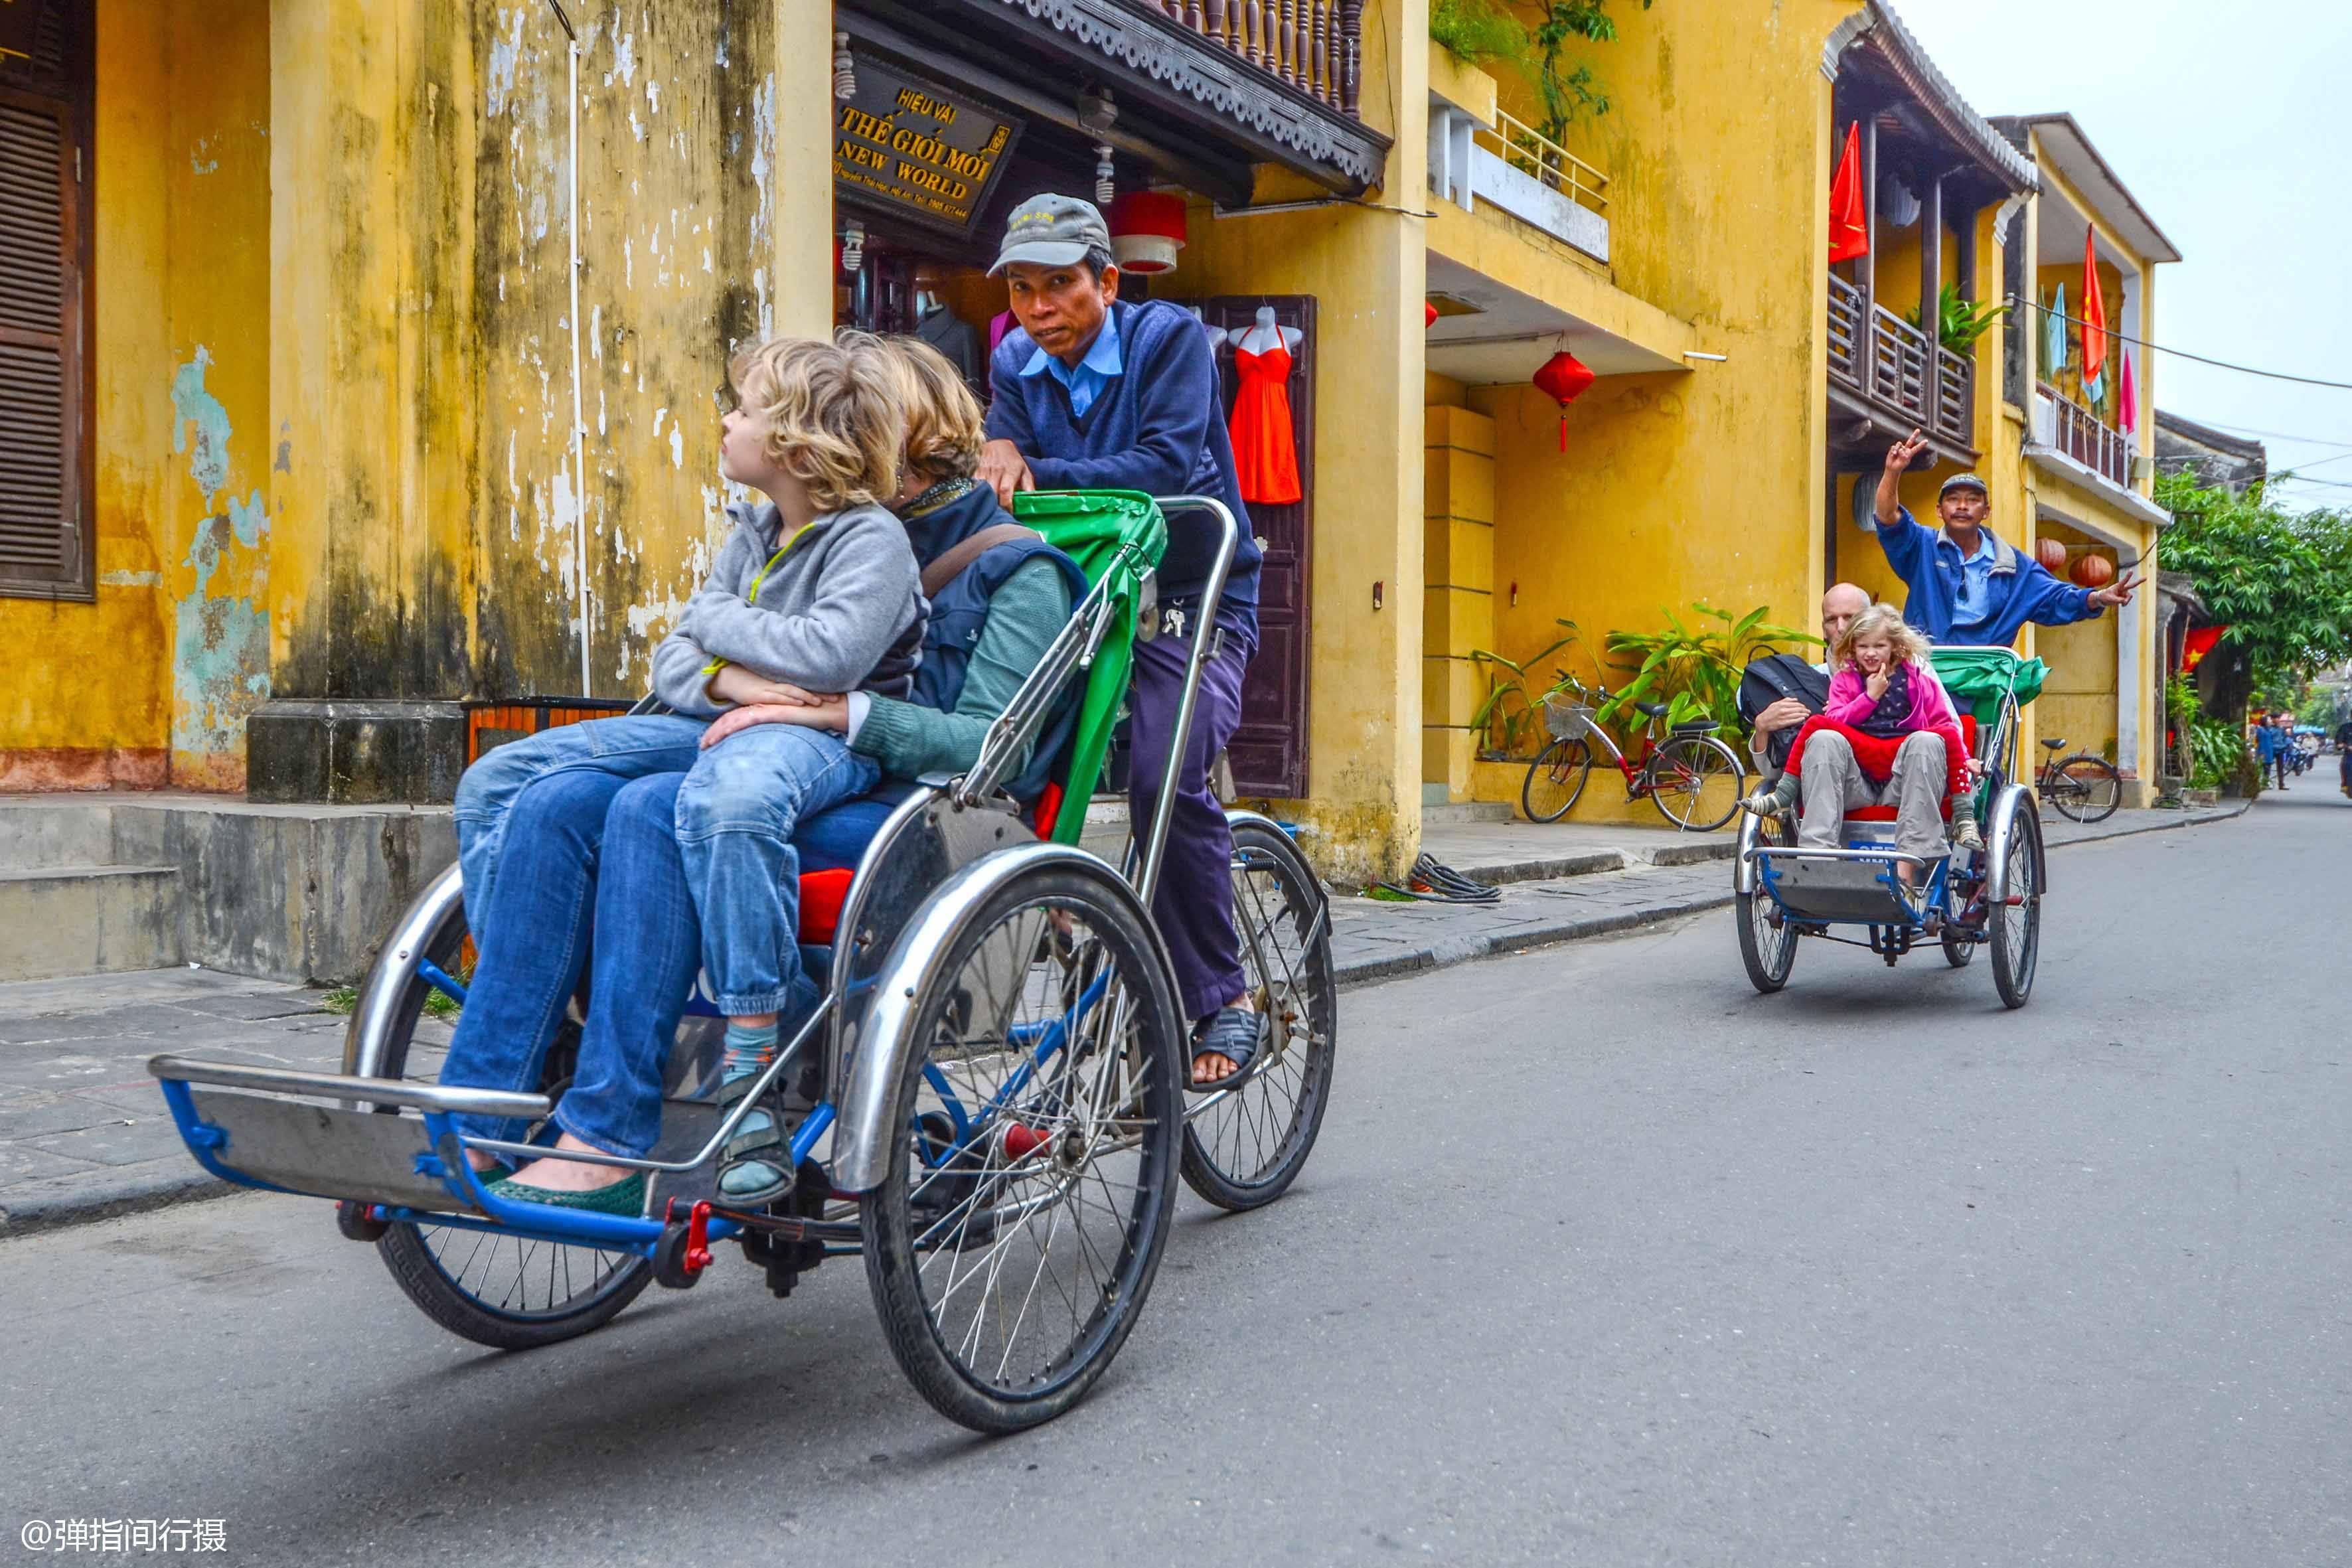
1602	1260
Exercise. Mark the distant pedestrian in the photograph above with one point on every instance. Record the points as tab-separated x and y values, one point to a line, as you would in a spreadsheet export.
2282	757
2344	755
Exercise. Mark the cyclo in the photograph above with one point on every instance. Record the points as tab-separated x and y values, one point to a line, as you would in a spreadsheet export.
990	1104
1991	897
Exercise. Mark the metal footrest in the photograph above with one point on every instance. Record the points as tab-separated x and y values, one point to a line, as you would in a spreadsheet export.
372	1147
1854	886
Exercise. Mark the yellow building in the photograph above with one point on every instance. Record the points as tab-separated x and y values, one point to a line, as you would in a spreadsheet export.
387	346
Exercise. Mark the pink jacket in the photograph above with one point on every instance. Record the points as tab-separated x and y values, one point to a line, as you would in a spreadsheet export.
1931	706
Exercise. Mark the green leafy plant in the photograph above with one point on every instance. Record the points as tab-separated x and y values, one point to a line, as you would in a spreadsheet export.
1959	324
1508	716
1694	670
1570	94
2216	751
2280	581
1477	31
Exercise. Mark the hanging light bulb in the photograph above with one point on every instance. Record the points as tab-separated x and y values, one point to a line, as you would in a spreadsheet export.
853	247
845	69
1105	176
1096	114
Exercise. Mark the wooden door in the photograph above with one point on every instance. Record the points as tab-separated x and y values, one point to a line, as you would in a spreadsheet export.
1270	750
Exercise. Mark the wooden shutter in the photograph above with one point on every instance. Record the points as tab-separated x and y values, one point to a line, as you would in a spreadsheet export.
44	444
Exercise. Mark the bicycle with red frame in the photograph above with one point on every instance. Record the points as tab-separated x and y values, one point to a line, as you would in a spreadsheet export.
1674	775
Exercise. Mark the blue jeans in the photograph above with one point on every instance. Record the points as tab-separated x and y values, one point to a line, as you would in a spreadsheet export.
735	815
587	857
629	747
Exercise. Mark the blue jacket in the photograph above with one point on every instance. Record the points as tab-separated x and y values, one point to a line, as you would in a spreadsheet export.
2023	589
1159	428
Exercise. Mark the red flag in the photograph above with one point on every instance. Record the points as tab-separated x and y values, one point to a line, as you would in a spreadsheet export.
2094	313
2199	643
1849	225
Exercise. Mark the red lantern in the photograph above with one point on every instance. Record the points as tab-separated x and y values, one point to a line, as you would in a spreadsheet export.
1147	230
2052	553
1431	319
2093	571
1563	378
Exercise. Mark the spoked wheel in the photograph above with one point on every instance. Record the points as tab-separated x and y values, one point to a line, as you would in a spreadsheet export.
2017	921
1010	1259
1244	1146
509	1293
2084	788
1680	775
1555	779
1767	948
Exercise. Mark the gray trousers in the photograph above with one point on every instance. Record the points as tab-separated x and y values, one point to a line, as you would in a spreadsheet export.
1834	784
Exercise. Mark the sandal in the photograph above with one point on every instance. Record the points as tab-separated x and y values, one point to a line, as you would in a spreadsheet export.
755	1166
1235	1034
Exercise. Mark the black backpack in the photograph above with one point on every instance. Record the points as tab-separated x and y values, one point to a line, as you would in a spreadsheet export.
1771	678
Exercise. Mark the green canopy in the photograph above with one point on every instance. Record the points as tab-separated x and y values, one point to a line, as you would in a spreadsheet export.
1118	534
1977	678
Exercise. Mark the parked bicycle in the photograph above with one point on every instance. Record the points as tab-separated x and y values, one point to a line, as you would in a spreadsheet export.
1673	776
2083	787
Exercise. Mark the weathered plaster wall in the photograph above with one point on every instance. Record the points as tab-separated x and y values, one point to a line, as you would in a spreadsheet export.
151	682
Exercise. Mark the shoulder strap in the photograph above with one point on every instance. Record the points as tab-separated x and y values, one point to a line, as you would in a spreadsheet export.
950	563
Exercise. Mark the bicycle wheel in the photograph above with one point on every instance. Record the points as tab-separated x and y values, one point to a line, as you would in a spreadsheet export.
2016	923
1555	779
1678	777
1244	1146
1013	1237
2084	788
1768	940
509	1293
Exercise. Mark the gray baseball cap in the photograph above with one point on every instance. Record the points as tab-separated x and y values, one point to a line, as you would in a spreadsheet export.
1051	231
1965	482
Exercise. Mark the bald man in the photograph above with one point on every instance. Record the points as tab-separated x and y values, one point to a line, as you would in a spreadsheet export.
1838	606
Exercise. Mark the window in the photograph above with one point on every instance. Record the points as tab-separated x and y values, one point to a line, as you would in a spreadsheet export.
44	470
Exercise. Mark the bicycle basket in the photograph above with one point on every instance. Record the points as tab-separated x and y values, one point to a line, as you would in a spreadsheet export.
1566	720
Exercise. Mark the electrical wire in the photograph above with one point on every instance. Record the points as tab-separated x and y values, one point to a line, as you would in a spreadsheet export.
1434	882
2016	303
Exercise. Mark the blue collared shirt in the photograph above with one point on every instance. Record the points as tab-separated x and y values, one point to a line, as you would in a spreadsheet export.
1101	367
1972	601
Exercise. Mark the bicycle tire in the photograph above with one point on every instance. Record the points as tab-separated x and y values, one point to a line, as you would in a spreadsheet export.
2083	788
1695	761
1562	768
1767	950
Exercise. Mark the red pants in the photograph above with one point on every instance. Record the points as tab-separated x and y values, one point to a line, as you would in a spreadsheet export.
1874	754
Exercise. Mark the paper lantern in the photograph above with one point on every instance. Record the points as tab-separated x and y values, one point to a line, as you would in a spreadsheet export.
1563	378
2093	570
2052	553
1147	230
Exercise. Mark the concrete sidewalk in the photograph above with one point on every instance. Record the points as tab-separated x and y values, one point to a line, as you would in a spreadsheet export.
84	1134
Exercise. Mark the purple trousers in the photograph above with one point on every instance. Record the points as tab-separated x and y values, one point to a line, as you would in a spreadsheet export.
1194	903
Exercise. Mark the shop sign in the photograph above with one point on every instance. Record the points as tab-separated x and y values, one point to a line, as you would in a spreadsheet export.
917	147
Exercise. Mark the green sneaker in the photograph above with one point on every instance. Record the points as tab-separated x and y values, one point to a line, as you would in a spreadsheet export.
626	1197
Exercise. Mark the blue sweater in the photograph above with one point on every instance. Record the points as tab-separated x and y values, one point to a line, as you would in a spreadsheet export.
2023	589
1158	427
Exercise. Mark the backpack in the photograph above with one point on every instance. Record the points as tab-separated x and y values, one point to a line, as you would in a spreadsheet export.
1771	678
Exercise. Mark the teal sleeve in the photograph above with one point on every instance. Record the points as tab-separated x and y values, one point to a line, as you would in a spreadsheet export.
1023	618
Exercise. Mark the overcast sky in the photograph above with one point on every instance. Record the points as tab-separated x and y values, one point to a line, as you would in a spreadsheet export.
2232	124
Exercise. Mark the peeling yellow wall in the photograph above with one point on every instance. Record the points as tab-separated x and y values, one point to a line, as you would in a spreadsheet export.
151	683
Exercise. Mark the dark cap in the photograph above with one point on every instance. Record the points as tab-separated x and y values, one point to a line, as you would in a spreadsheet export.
1964	482
1051	231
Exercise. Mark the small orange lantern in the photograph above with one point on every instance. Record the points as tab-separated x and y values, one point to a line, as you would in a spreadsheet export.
2093	570
1563	378
2052	553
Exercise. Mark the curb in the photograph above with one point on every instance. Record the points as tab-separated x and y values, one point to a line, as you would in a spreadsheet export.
57	1205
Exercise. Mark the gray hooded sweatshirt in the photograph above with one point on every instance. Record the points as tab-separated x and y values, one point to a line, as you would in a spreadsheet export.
841	611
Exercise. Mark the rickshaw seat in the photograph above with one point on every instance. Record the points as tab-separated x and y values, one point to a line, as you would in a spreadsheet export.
1886	813
822	895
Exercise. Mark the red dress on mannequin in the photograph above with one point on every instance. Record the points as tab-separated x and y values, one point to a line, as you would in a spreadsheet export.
1265	452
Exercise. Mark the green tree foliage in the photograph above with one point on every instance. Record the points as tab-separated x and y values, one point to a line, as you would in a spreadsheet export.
2281	581
1543	49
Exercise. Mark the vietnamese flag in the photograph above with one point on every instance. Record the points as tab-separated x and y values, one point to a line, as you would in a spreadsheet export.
1849	226
2094	313
2198	644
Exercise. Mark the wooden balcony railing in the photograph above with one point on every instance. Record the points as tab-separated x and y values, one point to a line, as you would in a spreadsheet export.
1879	356
2088	440
1315	45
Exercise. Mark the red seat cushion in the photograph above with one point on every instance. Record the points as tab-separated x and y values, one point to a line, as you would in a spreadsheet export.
1048	808
1886	813
821	893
